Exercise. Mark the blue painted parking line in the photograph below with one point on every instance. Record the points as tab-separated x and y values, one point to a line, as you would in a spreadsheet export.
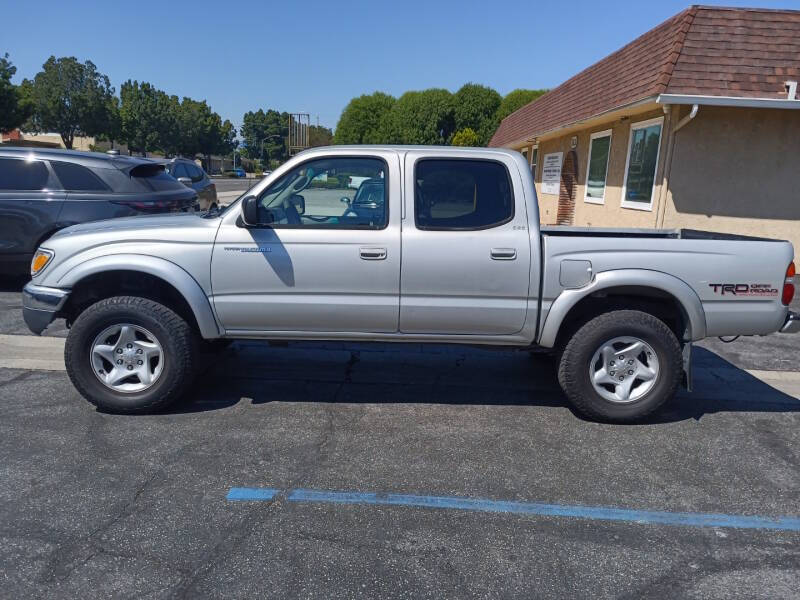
251	494
601	513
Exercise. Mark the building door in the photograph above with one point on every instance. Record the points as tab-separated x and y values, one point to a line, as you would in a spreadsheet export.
566	193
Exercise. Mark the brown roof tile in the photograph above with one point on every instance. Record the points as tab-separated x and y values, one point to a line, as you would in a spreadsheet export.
703	50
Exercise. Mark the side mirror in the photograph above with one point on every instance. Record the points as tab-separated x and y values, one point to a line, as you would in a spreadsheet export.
187	181
345	199
250	211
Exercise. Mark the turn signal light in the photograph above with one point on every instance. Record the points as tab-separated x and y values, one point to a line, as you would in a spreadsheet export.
40	261
788	285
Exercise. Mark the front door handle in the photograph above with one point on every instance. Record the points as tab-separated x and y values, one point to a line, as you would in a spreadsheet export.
372	253
504	253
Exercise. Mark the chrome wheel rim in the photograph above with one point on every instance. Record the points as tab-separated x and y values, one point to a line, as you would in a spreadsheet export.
624	369
127	358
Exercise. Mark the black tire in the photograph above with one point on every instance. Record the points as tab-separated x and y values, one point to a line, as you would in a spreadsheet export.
178	341
575	363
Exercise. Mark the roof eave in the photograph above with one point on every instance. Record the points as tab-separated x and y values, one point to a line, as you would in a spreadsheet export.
609	114
732	101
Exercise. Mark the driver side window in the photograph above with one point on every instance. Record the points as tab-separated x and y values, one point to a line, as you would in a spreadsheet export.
330	193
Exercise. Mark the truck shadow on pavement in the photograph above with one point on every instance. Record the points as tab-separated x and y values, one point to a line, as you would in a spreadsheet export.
252	373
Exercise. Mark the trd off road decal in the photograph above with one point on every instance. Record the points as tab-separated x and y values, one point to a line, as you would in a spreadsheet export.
743	289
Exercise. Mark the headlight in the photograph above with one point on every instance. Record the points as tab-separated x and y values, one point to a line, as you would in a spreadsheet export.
40	260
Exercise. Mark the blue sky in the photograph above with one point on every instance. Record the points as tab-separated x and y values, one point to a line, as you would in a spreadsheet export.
315	56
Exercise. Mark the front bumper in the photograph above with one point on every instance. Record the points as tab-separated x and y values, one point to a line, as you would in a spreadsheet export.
40	305
792	323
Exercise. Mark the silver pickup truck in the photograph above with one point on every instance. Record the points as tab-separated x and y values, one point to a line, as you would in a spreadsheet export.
434	244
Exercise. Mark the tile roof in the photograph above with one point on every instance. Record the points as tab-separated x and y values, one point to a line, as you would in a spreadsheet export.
703	50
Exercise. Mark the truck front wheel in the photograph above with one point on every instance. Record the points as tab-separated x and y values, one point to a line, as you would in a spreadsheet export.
620	366
130	355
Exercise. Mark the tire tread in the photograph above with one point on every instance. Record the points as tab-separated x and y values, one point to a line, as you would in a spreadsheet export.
181	335
569	372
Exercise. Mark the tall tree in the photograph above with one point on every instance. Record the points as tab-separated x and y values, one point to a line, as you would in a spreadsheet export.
319	136
426	117
69	97
141	116
361	119
265	130
515	100
475	108
13	110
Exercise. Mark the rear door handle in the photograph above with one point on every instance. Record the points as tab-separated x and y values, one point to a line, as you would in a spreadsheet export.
372	253
504	253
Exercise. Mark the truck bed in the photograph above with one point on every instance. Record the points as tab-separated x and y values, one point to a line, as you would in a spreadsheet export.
686	234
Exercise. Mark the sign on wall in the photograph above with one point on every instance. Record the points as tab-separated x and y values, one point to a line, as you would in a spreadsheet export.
551	172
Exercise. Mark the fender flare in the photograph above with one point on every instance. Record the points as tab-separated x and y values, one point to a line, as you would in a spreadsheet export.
171	273
659	280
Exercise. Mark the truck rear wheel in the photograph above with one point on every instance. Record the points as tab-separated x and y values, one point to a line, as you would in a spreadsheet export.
620	366
130	355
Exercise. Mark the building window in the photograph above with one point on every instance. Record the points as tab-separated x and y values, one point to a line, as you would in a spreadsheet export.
597	169
534	160
640	168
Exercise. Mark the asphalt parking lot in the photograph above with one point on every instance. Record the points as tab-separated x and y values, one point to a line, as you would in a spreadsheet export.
228	189
464	474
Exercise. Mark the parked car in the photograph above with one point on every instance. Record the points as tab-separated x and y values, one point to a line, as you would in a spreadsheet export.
193	176
456	255
355	181
42	191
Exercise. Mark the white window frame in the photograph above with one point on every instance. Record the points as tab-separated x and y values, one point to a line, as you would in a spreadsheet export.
634	126
534	165
598	134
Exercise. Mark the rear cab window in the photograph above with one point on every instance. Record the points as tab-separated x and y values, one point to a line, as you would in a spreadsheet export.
462	194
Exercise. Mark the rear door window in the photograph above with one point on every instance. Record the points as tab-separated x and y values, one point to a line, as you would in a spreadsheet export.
456	194
195	172
178	170
76	178
23	175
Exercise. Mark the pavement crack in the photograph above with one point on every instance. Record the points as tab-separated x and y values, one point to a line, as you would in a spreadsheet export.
69	557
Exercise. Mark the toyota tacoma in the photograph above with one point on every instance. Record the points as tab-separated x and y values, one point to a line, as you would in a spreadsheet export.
436	245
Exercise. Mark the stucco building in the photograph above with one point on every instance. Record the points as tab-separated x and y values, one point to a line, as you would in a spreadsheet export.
695	124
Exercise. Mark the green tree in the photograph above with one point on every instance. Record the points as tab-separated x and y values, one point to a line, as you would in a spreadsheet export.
319	136
425	117
205	132
141	116
13	109
475	109
69	97
515	100
268	127
465	137
361	119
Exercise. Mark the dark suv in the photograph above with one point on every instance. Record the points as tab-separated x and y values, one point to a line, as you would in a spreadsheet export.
42	191
189	174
